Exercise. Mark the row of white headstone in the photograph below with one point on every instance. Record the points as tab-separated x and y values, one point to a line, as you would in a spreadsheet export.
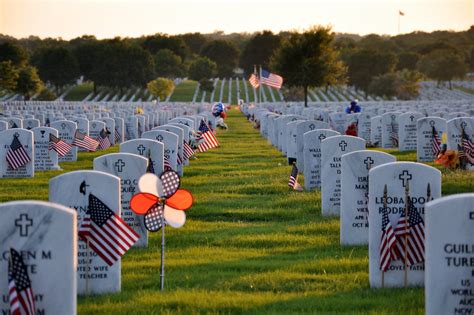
353	180
60	265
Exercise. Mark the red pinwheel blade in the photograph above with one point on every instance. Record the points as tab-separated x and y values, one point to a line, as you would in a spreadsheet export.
181	200
142	202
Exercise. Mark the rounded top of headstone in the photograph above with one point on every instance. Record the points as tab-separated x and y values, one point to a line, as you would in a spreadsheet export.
37	203
453	198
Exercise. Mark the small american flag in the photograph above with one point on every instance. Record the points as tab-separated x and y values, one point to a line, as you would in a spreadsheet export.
388	241
394	136
435	142
167	165
58	145
467	148
210	141
271	79
20	293
179	159
150	168
17	155
293	181
253	80
187	151
413	229
117	135
84	141
107	234
104	141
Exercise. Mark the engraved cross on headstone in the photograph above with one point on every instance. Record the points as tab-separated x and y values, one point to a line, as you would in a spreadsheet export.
312	126
159	138
141	148
368	162
412	117
119	165
321	137
343	145
23	222
405	177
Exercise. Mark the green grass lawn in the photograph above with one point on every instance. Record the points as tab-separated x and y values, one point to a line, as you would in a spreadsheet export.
250	245
184	92
79	92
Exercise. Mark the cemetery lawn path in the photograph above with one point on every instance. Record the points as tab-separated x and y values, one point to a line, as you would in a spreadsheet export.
250	245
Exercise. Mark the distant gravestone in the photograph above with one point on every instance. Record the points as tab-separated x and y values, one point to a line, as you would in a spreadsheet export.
7	141
337	122
312	156
150	149
455	128
355	193
364	126
31	123
119	129
129	168
429	131
390	130
95	127
66	131
449	274
281	128
94	275
376	131
180	133
331	151
3	125
15	122
407	131
110	125
290	148
424	183
44	234
131	128
170	141
45	159
301	128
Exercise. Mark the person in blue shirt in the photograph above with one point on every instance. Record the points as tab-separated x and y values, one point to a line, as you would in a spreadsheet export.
353	108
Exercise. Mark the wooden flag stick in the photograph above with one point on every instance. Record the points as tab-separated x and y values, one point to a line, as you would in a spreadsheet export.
162	273
384	209
405	243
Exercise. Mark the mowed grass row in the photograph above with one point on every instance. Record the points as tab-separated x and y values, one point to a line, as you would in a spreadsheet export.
250	244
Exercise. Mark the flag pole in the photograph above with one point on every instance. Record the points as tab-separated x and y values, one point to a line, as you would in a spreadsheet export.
257	88
162	273
260	85
405	244
384	209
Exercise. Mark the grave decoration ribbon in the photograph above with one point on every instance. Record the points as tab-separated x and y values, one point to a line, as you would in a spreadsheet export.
162	202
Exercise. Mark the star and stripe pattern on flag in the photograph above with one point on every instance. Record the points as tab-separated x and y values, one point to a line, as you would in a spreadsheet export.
117	136
210	141
103	139
20	292
271	79
82	140
413	229
108	235
17	156
166	164
188	152
467	148
435	142
179	160
293	180
388	250
394	136
58	145
253	80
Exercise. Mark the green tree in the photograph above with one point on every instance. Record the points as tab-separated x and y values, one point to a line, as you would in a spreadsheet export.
46	95
407	60
307	60
8	75
13	52
224	53
206	85
29	82
365	64
161	88
259	50
443	65
156	42
202	68
58	66
88	54
401	84
194	41
168	64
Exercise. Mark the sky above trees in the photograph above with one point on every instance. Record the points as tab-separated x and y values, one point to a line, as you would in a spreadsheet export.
110	18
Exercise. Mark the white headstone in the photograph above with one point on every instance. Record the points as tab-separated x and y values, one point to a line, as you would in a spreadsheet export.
45	159
407	131
390	130
25	137
150	149
376	131
170	141
66	130
428	128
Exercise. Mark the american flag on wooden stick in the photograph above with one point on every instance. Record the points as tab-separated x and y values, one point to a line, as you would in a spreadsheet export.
467	148
394	136
117	136
58	145
388	250
253	80
167	164
293	181
435	142
17	156
104	141
187	151
411	230
105	232
210	141
82	140
20	293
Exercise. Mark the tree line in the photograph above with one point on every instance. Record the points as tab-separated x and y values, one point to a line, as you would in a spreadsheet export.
317	57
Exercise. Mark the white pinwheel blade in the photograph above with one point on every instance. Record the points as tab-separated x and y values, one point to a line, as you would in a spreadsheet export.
150	183
174	218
